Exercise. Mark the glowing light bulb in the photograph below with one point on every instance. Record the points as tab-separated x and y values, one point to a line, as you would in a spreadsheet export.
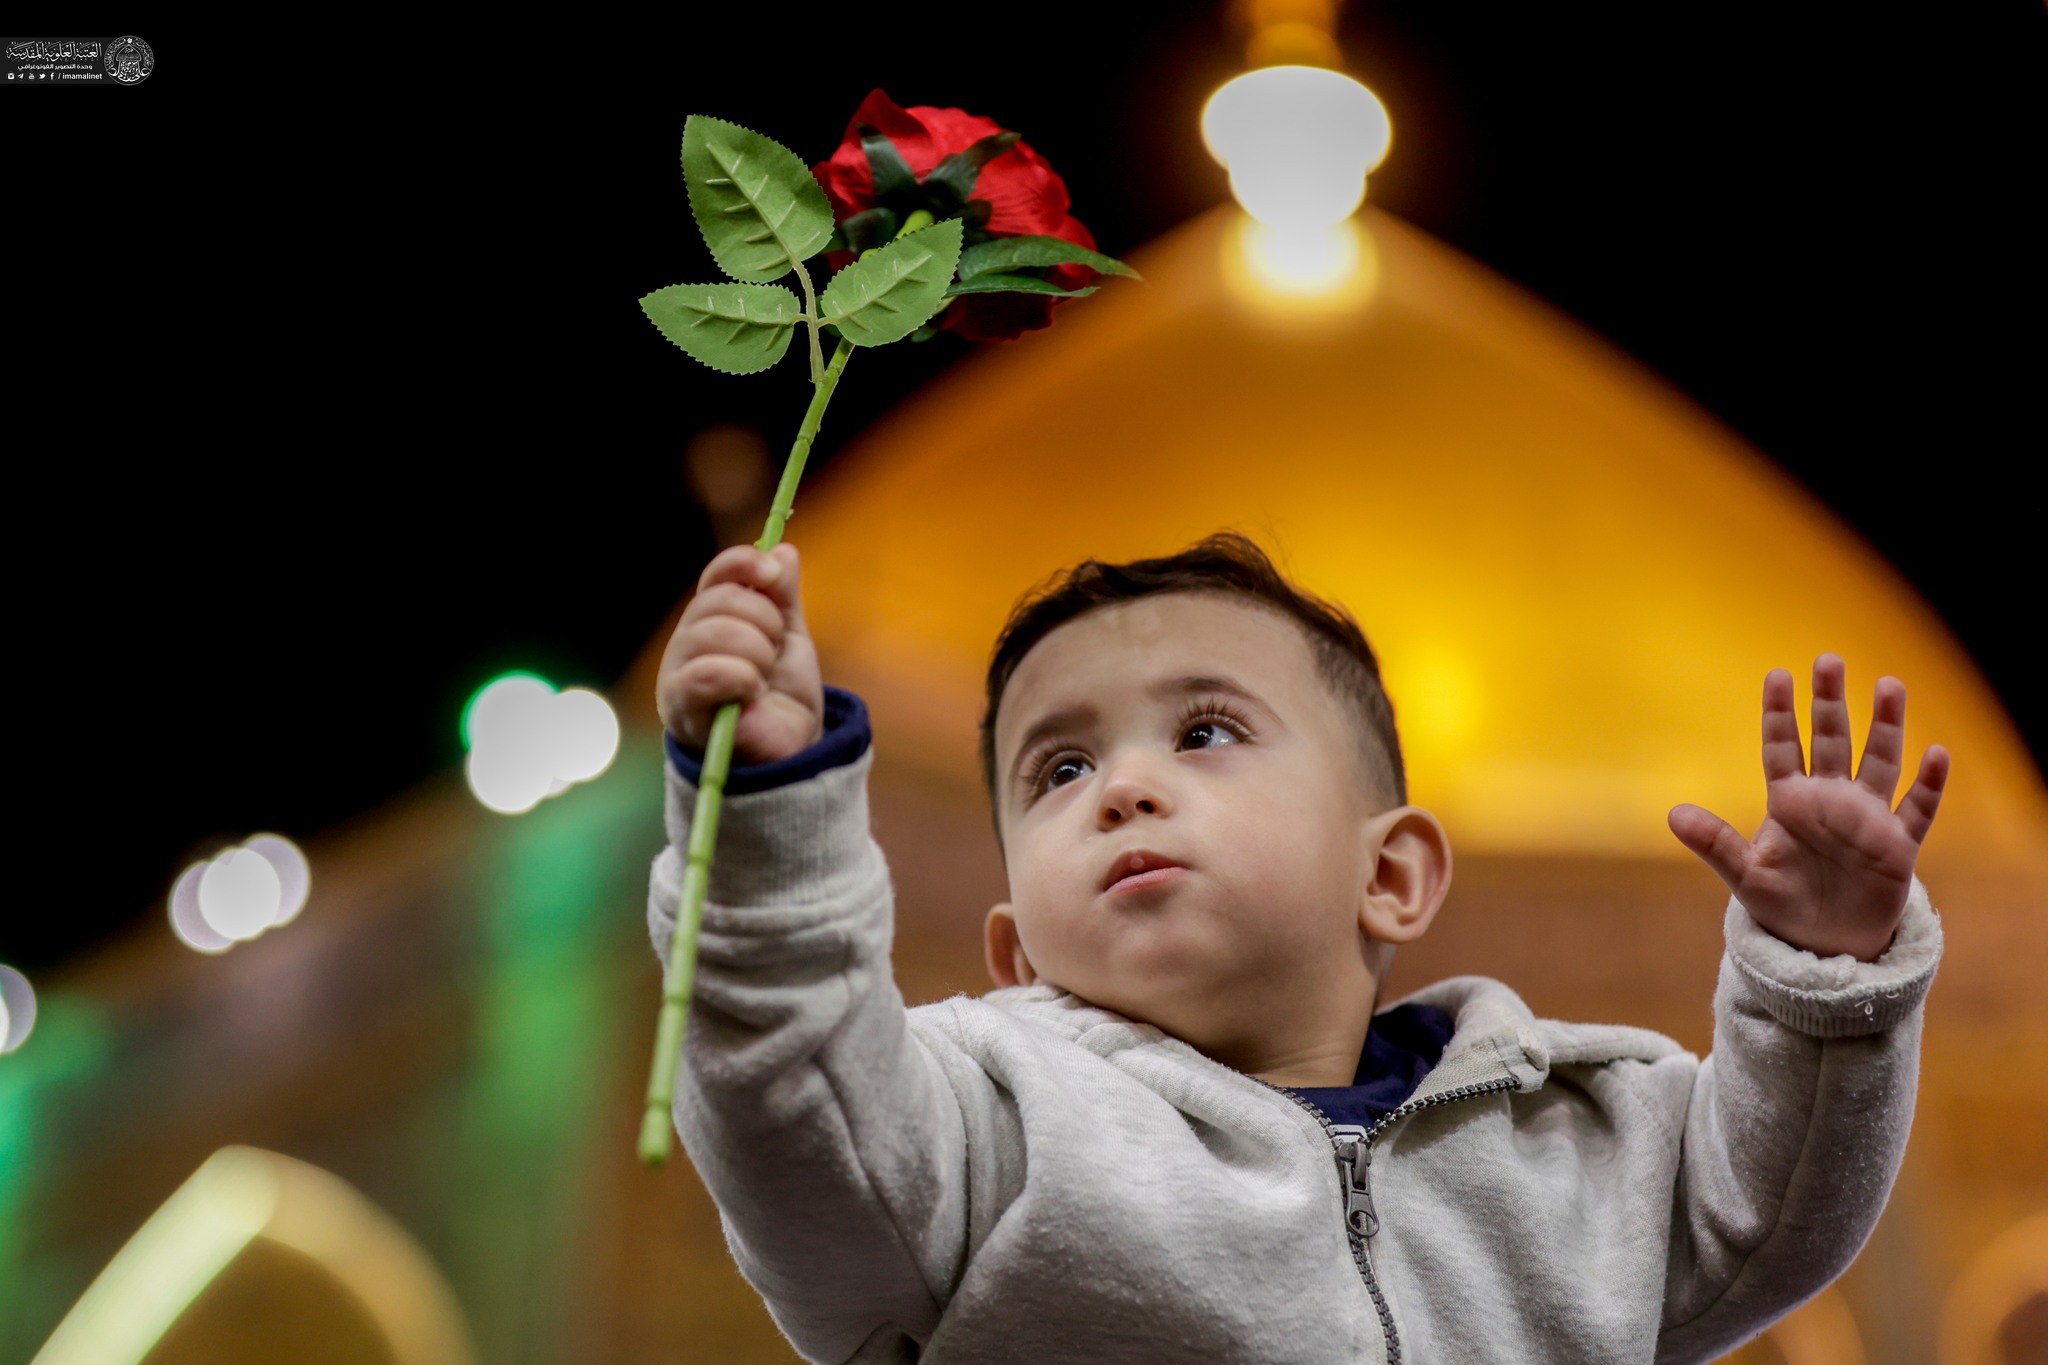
240	894
17	1009
1298	142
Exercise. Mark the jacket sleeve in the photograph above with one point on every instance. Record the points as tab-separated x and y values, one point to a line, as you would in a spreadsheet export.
823	1127
1795	1127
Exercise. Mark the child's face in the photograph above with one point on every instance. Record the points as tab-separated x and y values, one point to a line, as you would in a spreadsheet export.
1193	728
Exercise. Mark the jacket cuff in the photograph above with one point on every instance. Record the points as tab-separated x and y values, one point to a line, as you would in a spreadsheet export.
794	845
1839	997
846	738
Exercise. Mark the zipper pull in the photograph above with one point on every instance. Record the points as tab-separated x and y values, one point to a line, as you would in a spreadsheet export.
1354	1158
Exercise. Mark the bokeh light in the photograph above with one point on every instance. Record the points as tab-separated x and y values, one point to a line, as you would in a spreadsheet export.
186	922
586	734
1298	142
240	893
294	875
528	742
17	1009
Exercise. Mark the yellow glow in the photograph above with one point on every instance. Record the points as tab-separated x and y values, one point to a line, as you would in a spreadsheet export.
165	1265
239	1195
1331	262
1577	579
1298	142
1822	1332
1996	1283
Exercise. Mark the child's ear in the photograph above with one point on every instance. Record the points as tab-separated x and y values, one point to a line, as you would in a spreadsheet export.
1003	951
1410	876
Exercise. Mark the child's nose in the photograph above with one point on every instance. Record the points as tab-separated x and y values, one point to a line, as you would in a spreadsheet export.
1132	790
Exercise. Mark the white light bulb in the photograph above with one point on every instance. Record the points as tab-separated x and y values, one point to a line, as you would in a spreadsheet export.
240	894
17	1009
585	734
1298	142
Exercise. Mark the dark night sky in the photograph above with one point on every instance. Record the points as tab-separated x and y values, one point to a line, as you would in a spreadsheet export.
332	397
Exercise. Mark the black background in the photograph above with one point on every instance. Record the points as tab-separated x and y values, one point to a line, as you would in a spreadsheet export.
328	396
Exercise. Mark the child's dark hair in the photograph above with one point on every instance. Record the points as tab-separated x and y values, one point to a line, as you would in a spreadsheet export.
1229	564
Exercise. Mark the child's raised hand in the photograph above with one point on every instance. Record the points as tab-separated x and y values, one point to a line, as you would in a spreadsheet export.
1831	865
742	638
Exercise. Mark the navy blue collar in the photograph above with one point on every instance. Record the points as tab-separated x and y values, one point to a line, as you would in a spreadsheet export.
1401	1047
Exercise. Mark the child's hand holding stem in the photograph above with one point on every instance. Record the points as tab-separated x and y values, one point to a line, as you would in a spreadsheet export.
742	639
1829	869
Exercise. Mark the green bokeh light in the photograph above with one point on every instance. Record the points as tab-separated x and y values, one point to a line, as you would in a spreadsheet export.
469	707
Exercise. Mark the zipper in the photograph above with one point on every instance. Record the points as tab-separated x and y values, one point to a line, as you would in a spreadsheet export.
1353	1148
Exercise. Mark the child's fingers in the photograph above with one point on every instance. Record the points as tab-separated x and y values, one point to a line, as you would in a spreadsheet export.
742	564
1916	812
1713	839
1783	756
1882	752
690	696
783	590
1834	747
729	635
737	602
774	575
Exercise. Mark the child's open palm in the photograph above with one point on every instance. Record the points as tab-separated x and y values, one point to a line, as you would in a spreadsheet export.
1829	869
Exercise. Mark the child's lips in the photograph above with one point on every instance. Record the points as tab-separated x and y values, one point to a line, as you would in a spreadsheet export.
1141	868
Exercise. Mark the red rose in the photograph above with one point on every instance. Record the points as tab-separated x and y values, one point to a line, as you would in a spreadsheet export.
1025	197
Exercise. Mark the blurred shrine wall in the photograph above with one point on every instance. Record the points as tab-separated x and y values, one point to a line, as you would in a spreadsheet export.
1576	580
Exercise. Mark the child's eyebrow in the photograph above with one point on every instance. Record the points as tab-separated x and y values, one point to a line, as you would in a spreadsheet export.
1081	713
1205	682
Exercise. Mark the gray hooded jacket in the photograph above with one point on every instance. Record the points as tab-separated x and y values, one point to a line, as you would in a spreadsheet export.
1026	1177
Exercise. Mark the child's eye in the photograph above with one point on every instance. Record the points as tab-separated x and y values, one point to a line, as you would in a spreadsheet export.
1062	771
1207	734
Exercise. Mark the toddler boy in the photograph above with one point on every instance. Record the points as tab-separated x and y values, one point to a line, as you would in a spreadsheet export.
1178	1131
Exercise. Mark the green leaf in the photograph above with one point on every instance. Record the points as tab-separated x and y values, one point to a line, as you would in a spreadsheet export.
759	207
1016	284
924	333
883	297
1010	253
892	174
737	328
958	172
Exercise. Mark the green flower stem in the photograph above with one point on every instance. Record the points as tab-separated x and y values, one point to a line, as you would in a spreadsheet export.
803	275
680	978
